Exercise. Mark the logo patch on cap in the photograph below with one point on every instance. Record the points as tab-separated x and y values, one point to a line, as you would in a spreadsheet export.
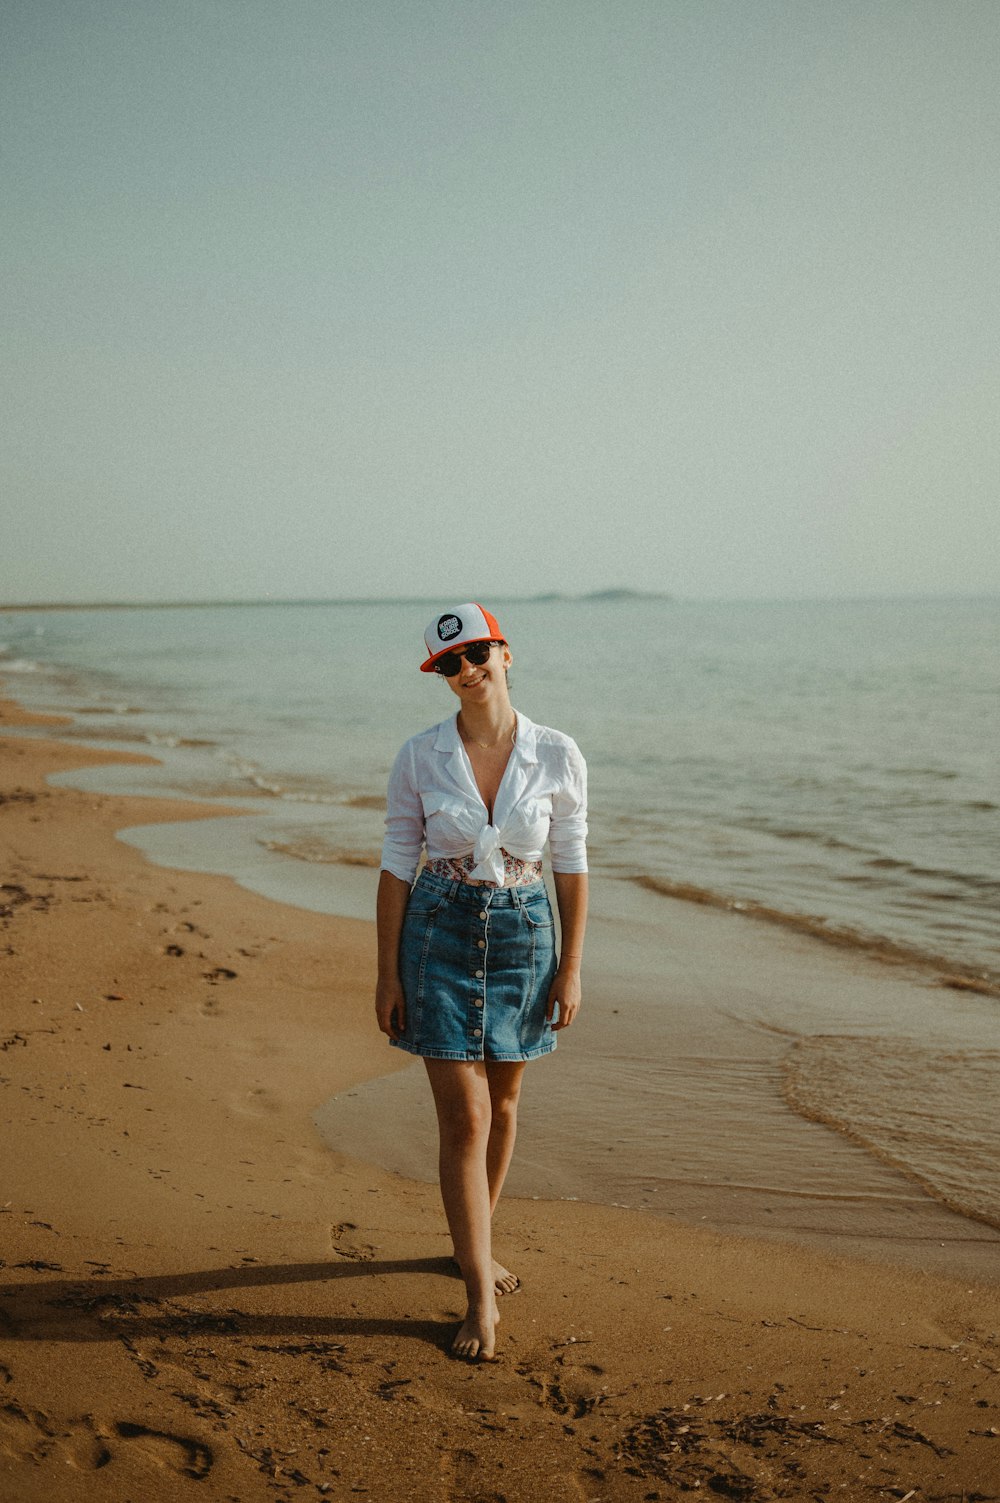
448	627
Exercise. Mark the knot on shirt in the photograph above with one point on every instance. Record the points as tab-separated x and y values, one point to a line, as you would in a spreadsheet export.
488	856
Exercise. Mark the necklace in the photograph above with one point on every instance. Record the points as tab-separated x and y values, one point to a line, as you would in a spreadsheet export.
490	745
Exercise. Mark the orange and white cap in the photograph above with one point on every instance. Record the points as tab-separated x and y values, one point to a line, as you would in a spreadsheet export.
457	628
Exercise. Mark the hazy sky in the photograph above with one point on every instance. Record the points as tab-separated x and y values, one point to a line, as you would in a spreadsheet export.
465	297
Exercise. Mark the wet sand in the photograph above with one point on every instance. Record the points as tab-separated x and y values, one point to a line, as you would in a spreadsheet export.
199	1299
697	1086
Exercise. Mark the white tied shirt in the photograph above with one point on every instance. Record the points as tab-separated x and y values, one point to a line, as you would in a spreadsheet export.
434	800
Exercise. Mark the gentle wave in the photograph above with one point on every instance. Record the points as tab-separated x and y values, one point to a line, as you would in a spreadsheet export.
115	709
962	978
939	774
125	735
321	852
826	841
815	837
21	665
120	736
168	739
301	790
931	1113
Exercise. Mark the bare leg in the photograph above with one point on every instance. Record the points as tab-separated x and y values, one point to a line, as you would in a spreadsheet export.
464	1112
504	1080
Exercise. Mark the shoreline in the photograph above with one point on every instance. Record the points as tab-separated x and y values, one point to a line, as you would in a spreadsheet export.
955	974
177	1234
260	795
890	855
867	1201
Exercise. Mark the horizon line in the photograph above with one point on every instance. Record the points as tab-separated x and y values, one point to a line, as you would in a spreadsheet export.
612	594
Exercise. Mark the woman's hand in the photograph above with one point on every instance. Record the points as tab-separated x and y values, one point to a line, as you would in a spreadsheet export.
565	990
571	896
390	1006
390	910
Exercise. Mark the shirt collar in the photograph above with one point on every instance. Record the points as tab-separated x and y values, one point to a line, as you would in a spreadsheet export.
526	738
449	743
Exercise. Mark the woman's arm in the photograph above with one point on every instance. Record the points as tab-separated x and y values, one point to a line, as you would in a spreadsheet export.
571	899
390	908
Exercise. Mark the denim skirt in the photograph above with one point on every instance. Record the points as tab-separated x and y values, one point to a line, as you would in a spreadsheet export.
476	965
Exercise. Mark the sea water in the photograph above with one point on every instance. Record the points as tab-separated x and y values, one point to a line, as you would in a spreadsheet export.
836	761
829	765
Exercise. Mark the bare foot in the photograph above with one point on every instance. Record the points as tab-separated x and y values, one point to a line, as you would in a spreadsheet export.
504	1282
476	1338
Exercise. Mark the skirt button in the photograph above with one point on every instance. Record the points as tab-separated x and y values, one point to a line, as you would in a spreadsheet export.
477	1033
479	975
482	944
483	914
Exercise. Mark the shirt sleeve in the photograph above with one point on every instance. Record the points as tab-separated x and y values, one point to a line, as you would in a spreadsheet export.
404	819
568	829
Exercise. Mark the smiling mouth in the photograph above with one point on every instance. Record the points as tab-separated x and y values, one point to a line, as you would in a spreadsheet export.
471	683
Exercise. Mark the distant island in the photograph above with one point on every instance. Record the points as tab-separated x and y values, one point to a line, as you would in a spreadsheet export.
615	597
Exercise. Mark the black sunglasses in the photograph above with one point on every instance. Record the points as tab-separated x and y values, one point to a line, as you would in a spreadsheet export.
450	663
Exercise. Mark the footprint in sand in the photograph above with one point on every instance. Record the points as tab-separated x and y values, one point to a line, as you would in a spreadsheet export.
176	1453
25	1434
28	1434
460	1473
345	1246
572	1389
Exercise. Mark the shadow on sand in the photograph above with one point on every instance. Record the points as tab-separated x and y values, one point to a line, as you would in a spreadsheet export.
100	1307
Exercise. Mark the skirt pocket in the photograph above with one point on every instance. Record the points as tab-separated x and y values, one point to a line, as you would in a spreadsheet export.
415	945
536	1030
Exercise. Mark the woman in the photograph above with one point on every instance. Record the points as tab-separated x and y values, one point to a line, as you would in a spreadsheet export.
467	973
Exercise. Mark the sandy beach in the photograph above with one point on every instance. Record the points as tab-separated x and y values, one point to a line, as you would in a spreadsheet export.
201	1300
